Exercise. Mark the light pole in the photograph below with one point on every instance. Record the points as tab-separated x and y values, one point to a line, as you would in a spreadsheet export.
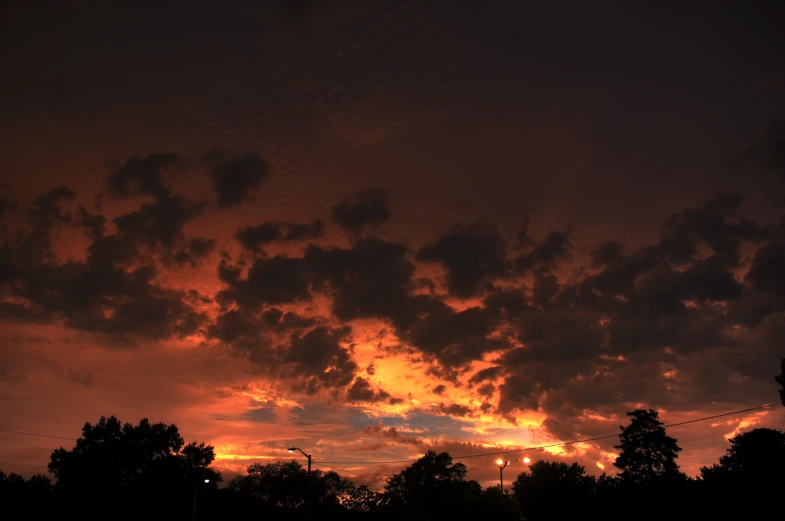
194	514
501	464
309	470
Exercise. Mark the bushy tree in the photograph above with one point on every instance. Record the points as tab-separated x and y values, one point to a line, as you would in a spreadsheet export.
553	490
32	496
432	486
754	457
114	462
285	484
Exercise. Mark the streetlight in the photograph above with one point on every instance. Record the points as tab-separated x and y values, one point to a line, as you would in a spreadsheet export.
309	469
193	517
526	460
501	464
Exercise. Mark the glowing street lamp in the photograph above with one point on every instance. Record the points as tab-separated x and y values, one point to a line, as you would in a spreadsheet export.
502	465
526	460
193	517
309	469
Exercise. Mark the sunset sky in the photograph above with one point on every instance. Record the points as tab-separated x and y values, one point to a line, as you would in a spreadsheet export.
370	229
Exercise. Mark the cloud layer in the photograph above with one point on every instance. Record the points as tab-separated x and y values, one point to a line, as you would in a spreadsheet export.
494	331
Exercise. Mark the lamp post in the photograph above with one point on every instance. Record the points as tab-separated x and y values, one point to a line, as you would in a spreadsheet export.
502	465
194	514
309	470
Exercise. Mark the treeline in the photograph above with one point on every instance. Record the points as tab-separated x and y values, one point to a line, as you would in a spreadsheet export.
147	471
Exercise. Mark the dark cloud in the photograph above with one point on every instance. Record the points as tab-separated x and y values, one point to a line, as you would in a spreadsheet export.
546	287
99	296
195	251
547	253
520	393
45	209
362	391
362	213
112	292
142	176
318	358
455	409
454	337
159	223
372	279
602	338
767	272
474	256
94	224
439	389
557	336
710	225
254	237
44	217
277	319
235	178
489	373
235	327
244	332
311	360
392	434
487	391
511	301
273	281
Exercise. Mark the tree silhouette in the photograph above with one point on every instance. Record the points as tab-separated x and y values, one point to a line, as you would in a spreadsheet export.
432	488
493	504
285	483
364	500
647	452
127	464
755	457
753	468
32	496
146	471
553	490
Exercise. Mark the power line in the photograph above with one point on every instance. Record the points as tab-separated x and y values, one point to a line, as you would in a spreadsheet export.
561	444
37	435
466	456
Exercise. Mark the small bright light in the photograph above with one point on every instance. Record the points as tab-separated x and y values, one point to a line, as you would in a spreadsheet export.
526	460
207	481
291	450
499	462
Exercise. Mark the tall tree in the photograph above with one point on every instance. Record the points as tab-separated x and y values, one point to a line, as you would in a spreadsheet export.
647	452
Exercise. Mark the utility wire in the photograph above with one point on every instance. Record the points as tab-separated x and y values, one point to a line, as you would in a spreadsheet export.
561	444
38	435
466	456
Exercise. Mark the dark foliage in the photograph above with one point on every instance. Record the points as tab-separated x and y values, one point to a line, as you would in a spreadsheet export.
146	471
647	452
542	491
146	467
